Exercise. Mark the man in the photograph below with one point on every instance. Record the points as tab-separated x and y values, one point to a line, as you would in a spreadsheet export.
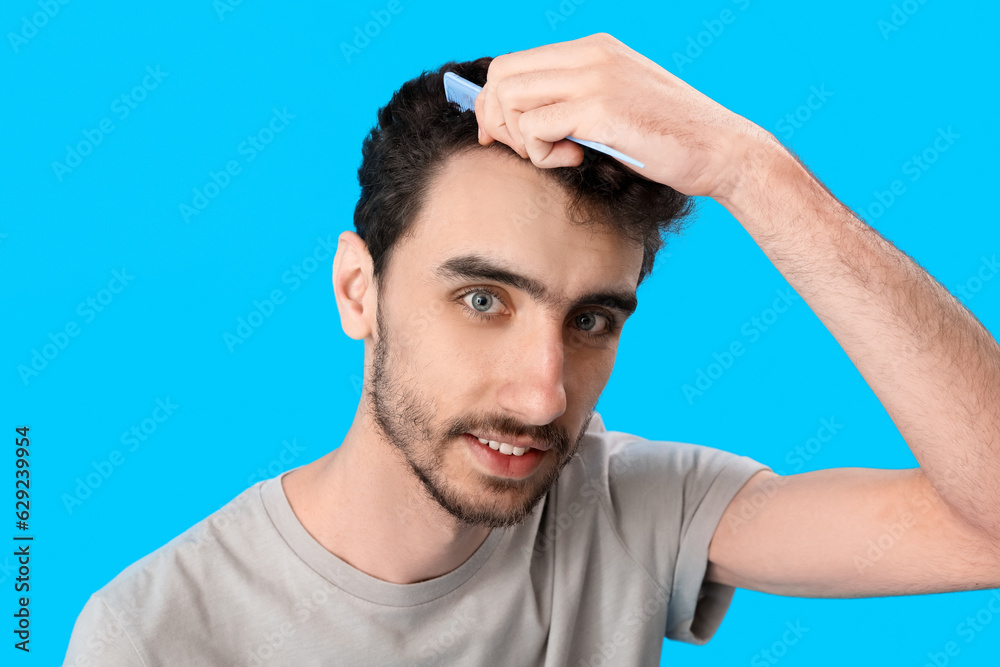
478	510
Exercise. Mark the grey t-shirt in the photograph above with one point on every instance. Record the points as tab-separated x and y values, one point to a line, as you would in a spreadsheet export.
611	560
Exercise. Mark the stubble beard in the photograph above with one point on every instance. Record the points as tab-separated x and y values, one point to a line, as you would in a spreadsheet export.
406	419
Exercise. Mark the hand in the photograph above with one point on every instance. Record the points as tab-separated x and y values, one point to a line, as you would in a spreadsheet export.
599	89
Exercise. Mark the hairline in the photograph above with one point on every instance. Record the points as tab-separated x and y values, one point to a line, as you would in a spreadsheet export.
438	167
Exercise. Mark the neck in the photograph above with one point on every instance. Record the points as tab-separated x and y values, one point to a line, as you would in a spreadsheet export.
364	505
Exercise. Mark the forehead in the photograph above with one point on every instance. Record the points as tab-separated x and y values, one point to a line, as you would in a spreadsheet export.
500	206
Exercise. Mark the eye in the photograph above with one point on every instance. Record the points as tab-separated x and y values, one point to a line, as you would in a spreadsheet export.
480	301
591	323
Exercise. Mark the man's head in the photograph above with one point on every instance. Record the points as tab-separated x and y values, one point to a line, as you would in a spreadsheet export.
490	295
418	130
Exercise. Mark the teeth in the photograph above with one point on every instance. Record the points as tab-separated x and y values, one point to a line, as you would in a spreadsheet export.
503	447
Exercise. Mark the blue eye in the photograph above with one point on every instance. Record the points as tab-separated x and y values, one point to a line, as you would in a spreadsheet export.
588	321
482	301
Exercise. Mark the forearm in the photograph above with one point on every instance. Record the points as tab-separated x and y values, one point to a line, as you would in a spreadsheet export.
930	362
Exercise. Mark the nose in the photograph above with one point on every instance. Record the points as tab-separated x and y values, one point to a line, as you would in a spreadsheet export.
534	390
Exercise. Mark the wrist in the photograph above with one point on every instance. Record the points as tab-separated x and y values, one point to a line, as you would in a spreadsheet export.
757	157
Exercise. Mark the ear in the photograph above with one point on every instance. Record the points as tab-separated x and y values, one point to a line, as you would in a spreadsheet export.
354	286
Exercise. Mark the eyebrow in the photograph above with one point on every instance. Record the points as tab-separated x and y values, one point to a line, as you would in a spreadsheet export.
478	267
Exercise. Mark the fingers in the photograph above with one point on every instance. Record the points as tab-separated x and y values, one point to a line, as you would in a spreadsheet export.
545	130
485	138
583	52
495	121
526	81
534	90
500	105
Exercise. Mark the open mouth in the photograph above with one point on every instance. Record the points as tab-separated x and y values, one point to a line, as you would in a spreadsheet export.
503	447
504	459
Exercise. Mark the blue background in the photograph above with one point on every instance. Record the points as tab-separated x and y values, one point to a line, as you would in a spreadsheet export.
293	385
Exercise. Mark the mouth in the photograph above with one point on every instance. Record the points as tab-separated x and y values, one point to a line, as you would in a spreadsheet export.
509	446
503	459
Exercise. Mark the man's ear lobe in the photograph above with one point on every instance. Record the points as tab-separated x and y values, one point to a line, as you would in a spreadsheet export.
354	286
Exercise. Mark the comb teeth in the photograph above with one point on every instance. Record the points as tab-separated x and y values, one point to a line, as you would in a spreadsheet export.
460	91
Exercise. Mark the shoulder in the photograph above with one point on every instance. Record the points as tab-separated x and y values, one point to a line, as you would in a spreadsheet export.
656	491
181	569
165	593
621	461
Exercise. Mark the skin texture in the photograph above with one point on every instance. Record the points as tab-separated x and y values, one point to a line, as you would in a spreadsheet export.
403	482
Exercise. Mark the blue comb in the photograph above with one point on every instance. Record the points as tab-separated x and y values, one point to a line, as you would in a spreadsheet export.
463	93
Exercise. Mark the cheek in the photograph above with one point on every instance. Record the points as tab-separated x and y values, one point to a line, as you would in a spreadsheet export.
459	339
420	334
588	372
448	360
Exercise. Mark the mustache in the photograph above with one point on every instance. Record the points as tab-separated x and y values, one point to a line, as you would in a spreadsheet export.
548	433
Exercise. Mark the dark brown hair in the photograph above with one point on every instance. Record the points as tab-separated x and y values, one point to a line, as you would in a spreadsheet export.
419	129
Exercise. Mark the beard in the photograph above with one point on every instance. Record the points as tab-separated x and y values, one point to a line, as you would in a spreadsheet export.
408	422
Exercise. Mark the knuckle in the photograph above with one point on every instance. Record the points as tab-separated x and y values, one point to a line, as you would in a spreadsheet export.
501	89
496	66
603	43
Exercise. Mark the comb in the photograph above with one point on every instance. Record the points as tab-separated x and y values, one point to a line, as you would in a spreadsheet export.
463	93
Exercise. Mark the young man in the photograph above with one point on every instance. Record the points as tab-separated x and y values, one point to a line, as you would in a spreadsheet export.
478	511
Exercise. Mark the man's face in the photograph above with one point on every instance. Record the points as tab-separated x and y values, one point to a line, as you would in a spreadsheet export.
498	319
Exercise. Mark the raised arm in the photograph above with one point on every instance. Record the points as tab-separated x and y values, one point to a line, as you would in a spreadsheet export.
927	358
936	371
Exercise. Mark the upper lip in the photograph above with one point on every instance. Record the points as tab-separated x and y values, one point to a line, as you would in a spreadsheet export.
514	442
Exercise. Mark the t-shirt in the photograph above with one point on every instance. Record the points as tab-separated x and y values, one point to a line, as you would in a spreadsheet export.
610	561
